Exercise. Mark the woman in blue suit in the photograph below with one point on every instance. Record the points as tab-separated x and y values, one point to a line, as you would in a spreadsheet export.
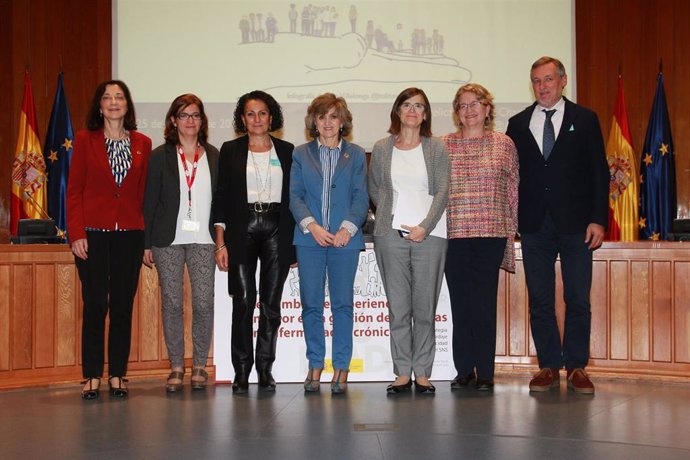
329	200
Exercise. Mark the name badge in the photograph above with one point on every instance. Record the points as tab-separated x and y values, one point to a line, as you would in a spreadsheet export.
190	225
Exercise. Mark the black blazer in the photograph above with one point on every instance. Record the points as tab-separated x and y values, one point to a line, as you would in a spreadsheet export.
573	184
162	197
230	199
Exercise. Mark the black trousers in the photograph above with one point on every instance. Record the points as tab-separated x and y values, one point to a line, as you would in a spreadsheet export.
472	267
262	245
109	279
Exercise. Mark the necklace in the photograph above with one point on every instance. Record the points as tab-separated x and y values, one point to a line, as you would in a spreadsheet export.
122	135
264	182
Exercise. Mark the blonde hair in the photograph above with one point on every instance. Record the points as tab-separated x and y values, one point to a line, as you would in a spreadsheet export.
483	96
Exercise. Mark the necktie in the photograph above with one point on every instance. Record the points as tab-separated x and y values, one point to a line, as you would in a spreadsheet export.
549	134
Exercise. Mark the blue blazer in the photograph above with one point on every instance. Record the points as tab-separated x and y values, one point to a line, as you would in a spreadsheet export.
349	197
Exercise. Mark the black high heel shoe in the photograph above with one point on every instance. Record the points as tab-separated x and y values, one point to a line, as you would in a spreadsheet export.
241	384
424	389
93	390
393	389
118	389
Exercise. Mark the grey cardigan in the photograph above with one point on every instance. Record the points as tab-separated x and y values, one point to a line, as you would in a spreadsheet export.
381	183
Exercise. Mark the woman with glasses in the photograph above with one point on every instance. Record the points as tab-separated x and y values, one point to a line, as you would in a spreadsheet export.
328	198
408	183
177	210
253	223
105	225
482	221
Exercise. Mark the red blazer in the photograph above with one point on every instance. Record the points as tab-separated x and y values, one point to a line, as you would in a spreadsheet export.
93	199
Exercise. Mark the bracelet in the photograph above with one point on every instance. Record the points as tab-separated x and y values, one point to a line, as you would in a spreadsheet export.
220	248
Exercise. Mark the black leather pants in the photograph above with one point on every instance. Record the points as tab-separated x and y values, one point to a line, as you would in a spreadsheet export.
262	244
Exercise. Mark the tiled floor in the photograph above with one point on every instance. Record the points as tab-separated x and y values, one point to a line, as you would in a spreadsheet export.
624	420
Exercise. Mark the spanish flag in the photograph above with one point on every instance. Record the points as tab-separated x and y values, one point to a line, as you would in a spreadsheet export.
623	197
28	200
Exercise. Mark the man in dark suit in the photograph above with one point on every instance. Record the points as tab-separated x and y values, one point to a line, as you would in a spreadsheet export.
563	210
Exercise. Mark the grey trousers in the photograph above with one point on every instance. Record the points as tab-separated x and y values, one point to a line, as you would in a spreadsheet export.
201	265
412	276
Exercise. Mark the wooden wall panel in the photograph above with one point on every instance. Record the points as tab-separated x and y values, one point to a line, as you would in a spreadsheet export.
640	301
634	36
600	331
40	342
22	317
66	321
150	330
503	292
651	325
5	303
681	302
44	36
517	315
661	311
44	306
619	303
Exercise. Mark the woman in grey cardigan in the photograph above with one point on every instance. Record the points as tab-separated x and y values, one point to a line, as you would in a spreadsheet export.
408	183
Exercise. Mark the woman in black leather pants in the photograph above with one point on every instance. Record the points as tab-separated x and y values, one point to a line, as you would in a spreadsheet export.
253	223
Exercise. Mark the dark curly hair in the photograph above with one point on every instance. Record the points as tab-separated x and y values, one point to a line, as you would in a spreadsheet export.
94	119
178	105
273	108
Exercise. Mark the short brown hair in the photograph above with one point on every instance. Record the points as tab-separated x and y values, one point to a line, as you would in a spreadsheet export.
425	128
321	105
179	104
549	60
483	96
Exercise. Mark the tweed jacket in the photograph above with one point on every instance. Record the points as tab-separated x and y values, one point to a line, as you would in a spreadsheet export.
381	182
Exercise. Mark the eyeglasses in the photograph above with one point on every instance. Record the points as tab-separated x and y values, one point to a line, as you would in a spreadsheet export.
416	106
472	105
185	115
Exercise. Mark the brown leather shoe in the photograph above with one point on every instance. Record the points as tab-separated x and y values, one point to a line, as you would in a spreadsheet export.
579	382
545	379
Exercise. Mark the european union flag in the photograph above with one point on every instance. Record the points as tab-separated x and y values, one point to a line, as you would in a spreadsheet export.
58	154
657	172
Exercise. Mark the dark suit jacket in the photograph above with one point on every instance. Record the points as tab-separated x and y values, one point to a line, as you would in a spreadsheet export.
162	199
93	198
230	199
573	184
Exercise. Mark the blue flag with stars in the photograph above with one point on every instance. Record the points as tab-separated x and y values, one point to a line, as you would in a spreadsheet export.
657	172
58	154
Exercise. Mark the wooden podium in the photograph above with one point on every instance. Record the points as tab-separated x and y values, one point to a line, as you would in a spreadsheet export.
640	316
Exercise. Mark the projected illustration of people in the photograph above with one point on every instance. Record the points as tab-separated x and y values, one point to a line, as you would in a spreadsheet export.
326	47
292	16
353	18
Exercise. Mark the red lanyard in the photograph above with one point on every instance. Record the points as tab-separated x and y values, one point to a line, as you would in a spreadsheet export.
190	177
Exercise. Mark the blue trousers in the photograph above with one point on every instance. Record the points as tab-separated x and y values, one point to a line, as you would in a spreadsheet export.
539	251
341	266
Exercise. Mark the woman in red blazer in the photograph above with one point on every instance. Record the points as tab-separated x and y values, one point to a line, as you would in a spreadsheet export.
105	227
